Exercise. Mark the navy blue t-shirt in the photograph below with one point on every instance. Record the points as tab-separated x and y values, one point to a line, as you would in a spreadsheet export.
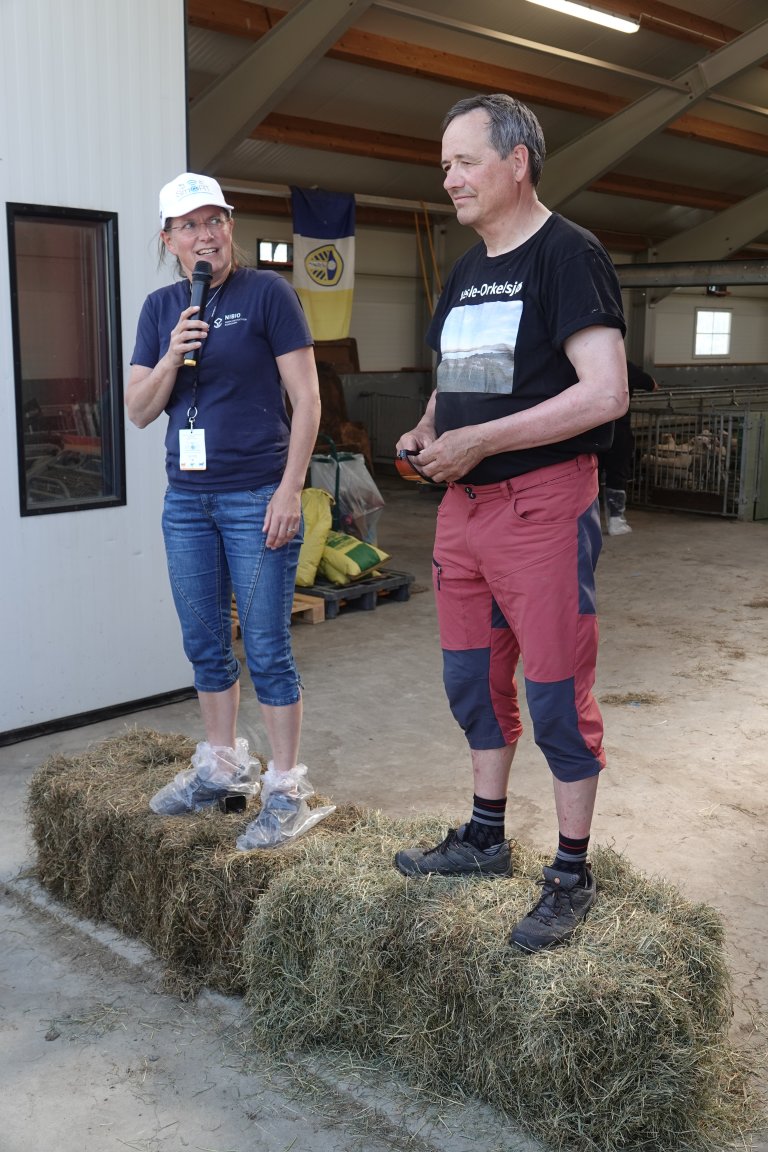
499	329
255	317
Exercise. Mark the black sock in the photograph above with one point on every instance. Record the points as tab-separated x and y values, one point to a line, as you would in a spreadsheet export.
572	856
486	828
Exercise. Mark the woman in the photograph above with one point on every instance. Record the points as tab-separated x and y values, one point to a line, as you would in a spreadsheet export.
236	466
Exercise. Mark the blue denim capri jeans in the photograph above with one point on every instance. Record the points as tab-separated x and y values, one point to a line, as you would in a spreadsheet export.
215	545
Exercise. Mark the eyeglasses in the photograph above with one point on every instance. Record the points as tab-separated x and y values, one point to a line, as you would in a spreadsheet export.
193	227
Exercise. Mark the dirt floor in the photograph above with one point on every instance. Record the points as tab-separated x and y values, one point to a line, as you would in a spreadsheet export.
683	683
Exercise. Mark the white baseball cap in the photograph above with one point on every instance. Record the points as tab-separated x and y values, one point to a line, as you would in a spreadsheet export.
187	192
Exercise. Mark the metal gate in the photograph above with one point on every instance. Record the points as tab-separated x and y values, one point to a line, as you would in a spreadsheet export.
387	417
704	460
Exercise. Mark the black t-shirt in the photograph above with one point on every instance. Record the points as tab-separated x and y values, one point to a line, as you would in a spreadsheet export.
499	329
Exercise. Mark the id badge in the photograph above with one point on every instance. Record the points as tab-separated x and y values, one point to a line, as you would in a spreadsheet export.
192	449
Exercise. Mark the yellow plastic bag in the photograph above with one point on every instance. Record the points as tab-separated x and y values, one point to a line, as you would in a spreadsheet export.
345	558
316	508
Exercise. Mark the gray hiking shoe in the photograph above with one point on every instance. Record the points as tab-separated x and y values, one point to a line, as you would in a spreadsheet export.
455	857
563	904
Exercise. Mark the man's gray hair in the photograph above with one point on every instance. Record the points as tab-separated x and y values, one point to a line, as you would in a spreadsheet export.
510	123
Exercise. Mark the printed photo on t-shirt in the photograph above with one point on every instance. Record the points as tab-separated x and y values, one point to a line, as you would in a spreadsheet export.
477	347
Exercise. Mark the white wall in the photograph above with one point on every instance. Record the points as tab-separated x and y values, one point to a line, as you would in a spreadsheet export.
92	115
674	320
389	309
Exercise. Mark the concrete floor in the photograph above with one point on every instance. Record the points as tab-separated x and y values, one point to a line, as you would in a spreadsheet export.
682	682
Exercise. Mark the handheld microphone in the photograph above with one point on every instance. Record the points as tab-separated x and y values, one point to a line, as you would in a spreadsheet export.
201	282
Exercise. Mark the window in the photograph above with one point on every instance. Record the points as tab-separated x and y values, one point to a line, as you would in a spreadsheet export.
67	358
275	254
713	332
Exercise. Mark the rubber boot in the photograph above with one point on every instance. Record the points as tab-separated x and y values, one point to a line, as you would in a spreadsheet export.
616	503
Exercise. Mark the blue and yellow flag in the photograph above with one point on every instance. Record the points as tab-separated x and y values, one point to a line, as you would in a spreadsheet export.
324	259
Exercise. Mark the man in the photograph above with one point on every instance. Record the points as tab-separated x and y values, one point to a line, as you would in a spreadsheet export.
531	375
617	463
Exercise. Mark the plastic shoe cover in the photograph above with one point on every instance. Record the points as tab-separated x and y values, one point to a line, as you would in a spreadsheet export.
615	507
233	765
617	526
615	501
215	771
293	783
284	813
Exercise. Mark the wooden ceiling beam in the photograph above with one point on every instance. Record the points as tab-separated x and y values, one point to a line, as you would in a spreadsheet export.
297	131
373	215
721	135
655	16
235	17
378	216
301	132
252	21
241	18
681	195
398	56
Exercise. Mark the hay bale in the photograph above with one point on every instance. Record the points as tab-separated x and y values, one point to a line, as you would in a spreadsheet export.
175	882
618	1041
76	805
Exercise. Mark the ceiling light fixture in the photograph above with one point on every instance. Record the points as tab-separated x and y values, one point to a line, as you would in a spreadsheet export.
587	12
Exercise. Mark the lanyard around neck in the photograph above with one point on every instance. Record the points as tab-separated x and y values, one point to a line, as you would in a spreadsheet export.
192	410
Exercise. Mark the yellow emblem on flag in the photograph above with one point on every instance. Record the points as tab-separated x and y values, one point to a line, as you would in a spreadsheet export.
324	259
324	265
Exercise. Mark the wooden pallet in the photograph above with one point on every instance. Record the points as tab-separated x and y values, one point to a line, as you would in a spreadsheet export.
324	601
364	594
305	609
308	609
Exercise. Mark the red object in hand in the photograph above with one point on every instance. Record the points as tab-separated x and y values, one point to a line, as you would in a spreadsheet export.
407	469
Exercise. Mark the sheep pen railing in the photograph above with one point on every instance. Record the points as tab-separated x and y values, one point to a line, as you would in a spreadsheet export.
701	452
